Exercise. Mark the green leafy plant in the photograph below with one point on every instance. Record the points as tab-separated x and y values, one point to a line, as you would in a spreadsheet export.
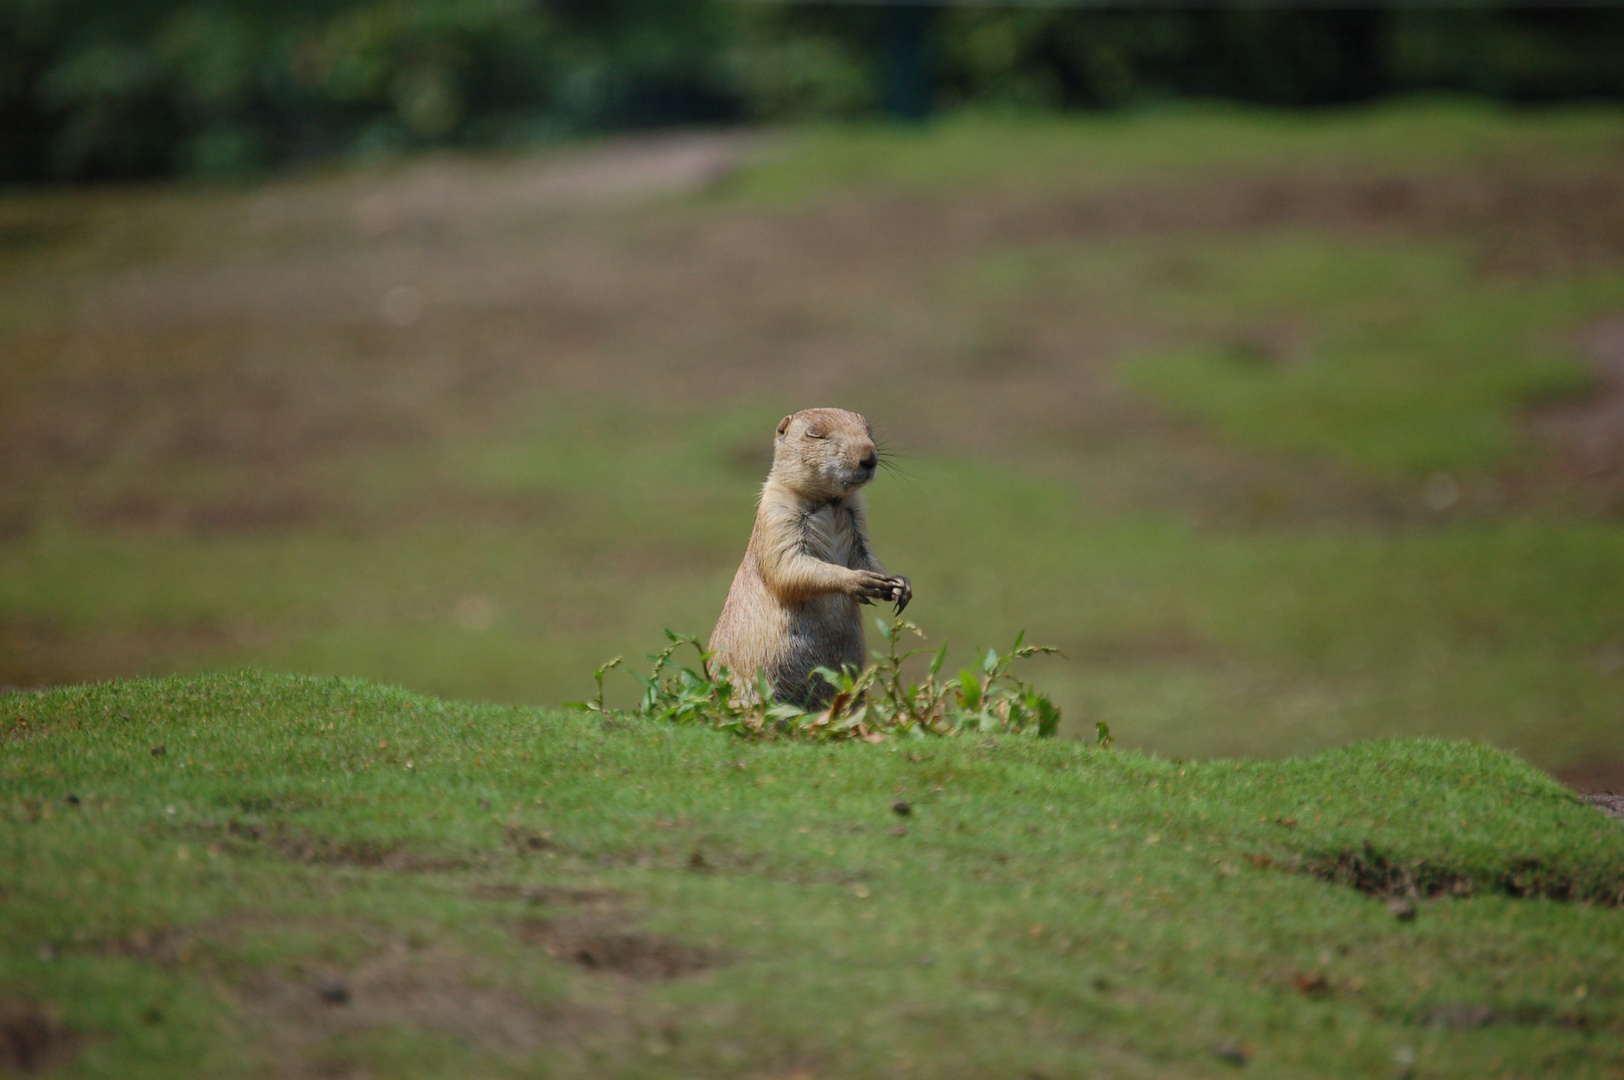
872	704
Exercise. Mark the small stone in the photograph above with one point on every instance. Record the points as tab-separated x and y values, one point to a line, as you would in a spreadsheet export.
1231	1052
158	751
901	809
1401	908
333	992
1404	1059
71	799
484	804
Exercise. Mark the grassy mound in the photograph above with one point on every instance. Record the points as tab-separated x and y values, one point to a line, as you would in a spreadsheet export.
251	875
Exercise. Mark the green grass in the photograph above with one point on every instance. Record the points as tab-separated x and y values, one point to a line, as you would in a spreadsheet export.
1051	909
1394	358
1415	362
1185	640
972	150
1197	457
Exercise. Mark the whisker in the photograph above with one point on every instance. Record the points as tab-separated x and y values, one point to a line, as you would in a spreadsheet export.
888	460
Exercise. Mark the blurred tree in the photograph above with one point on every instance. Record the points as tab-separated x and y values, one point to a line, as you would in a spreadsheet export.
94	88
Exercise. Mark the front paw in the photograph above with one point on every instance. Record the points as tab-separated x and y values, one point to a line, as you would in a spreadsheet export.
871	586
902	592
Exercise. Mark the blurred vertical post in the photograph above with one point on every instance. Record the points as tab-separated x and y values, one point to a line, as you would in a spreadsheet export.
905	38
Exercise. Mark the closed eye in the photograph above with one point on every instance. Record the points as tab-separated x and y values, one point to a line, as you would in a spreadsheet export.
814	434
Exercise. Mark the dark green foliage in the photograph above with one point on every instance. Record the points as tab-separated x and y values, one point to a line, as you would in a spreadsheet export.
112	88
1278	55
94	88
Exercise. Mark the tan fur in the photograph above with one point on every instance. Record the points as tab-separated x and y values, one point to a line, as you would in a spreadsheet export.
794	604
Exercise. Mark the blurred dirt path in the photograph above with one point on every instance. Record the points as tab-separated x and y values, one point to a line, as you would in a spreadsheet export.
445	191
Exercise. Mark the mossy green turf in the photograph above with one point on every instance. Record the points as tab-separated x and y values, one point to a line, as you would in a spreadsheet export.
1052	910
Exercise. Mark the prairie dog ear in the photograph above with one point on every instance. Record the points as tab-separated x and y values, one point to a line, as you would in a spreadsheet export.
783	425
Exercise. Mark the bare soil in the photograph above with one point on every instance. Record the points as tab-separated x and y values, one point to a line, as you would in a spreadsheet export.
294	1013
602	943
434	988
544	894
1611	805
31	1040
1373	873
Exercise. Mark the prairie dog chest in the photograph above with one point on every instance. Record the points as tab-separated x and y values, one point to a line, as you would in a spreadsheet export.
829	532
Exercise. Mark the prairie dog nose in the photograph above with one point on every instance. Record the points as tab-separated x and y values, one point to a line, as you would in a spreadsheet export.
869	459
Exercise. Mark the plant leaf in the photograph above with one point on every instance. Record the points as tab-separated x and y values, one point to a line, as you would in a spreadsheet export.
970	689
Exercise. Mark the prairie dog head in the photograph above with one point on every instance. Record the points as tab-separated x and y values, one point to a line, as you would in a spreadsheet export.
824	453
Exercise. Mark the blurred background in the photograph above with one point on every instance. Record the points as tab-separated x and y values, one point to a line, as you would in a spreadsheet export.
1267	360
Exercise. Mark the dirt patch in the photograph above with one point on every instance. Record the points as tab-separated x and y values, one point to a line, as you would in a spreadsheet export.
31	1040
447	195
164	946
544	894
1611	805
1520	221
307	848
525	840
433	988
295	1011
604	945
1373	873
170	946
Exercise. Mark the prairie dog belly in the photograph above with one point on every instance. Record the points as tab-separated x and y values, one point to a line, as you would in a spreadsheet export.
830	534
822	631
825	631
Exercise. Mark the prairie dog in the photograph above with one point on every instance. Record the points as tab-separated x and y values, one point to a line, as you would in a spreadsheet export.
794	604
